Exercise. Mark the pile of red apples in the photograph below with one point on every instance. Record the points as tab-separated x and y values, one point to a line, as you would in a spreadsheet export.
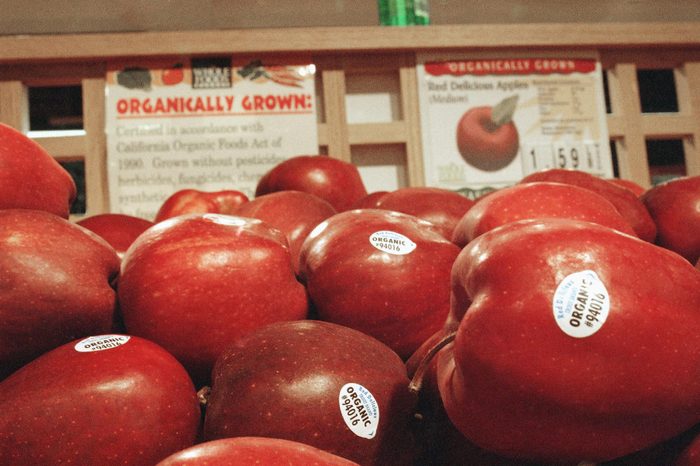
552	322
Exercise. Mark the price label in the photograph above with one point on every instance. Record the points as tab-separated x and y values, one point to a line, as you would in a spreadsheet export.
585	156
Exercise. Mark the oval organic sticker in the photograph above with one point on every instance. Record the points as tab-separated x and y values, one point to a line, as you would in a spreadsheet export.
392	242
100	343
359	409
581	304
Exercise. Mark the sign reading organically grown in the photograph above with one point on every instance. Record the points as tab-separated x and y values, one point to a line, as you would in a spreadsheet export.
489	121
206	124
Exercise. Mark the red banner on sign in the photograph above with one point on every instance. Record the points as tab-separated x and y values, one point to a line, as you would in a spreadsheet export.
510	66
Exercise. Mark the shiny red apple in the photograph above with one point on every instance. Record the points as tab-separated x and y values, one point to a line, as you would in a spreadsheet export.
333	180
30	178
537	199
675	207
317	383
194	201
370	201
261	451
624	200
106	399
484	143
381	272
295	213
119	230
196	282
55	284
633	186
441	207
575	342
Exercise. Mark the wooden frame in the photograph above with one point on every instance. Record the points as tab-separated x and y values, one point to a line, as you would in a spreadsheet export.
340	53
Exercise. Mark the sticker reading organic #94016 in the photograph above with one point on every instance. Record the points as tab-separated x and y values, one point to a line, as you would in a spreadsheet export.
581	304
359	409
100	343
392	242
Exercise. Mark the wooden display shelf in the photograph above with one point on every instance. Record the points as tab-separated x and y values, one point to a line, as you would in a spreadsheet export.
344	54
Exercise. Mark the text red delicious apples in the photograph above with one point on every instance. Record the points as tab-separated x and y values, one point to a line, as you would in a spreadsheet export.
624	200
381	272
485	142
317	383
675	208
107	399
441	207
55	284
575	342
194	201
295	213
538	199
30	178
331	179
119	230
261	451
194	283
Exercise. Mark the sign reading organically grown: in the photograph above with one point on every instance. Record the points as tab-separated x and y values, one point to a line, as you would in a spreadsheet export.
487	122
205	124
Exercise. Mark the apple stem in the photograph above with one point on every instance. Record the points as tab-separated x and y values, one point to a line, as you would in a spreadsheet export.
203	395
417	379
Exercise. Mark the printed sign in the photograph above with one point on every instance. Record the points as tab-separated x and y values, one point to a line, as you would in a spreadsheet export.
204	124
488	122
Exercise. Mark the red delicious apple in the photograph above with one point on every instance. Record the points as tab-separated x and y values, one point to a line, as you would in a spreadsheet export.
441	207
575	342
107	399
260	451
370	201
636	188
195	282
486	141
295	213
675	207
317	383
333	180
194	201
690	454
624	200
537	199
55	284
30	178
381	272
119	230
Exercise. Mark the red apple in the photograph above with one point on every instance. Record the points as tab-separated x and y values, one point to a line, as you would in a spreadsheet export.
107	399
194	201
333	180
119	230
195	282
30	178
484	143
381	272
575	342
624	200
633	186
441	207
261	451
690	453
295	213
55	284
675	207
317	383
370	201
537	199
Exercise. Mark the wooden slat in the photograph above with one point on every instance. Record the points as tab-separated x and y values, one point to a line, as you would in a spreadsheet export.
377	133
63	148
96	184
336	119
14	105
688	90
411	116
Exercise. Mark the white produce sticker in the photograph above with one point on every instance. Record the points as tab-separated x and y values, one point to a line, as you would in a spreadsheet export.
100	343
392	242
359	409
581	304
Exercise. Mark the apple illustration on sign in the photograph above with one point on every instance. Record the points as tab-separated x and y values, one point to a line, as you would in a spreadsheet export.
381	272
574	342
195	201
30	178
675	207
56	284
487	137
194	283
261	451
537	199
317	383
105	399
119	230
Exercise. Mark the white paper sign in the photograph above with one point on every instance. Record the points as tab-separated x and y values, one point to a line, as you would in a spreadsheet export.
202	124
488	122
